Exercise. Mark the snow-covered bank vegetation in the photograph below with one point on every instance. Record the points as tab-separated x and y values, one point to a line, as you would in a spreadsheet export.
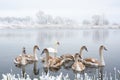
42	20
85	76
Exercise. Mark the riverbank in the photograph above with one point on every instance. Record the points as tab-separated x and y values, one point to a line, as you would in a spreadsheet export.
58	26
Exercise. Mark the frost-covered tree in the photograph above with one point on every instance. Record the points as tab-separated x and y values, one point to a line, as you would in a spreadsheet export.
86	22
96	20
41	18
99	20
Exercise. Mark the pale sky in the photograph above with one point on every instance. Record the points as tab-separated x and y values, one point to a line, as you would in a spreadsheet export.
75	9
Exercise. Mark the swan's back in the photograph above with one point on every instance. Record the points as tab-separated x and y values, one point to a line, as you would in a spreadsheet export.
52	50
91	62
78	66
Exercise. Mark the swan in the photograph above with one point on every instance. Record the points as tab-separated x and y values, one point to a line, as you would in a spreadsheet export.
54	50
78	66
21	59
33	57
94	62
54	62
69	57
51	50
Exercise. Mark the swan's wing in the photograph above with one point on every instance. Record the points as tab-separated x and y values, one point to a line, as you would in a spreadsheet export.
52	50
78	66
81	65
28	55
74	66
92	60
67	56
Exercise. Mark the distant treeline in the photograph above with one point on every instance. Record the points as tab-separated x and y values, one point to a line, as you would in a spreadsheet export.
40	18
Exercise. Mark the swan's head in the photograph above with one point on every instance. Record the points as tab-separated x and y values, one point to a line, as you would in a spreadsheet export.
84	47
24	51
36	47
77	56
45	51
57	43
102	47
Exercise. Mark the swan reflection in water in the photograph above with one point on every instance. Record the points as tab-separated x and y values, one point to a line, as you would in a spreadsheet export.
23	69
35	68
91	74
101	73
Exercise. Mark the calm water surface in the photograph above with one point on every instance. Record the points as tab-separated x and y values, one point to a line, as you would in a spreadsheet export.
12	42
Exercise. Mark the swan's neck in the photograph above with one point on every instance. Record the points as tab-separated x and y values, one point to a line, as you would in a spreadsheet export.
101	58
81	52
56	47
76	59
34	54
47	58
23	61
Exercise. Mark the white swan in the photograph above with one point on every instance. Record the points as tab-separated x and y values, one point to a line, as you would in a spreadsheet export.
94	62
54	50
51	50
54	62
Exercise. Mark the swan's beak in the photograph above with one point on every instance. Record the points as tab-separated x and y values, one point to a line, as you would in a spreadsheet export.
86	49
42	52
38	48
105	48
80	57
58	43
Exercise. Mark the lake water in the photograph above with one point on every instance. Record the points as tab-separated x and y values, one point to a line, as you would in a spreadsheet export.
12	42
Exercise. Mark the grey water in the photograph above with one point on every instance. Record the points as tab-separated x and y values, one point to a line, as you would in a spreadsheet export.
13	40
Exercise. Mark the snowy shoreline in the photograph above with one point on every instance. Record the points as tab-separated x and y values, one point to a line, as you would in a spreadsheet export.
58	26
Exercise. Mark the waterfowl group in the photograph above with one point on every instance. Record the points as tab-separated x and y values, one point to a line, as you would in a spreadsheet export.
54	62
94	62
33	57
52	51
24	58
79	63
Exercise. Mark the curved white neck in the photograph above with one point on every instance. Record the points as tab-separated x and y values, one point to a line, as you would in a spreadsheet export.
76	59
56	47
47	58
101	57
